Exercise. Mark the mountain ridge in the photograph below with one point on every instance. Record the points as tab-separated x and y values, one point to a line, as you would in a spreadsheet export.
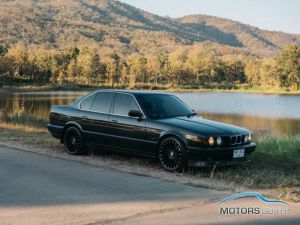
235	21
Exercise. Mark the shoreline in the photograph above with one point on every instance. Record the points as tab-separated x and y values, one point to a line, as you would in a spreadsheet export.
172	90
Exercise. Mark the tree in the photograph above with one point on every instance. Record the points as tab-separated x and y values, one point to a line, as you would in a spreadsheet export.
179	71
288	67
73	71
235	71
268	73
113	69
253	71
164	66
201	65
89	65
138	69
153	68
6	65
124	73
41	61
54	69
21	62
59	65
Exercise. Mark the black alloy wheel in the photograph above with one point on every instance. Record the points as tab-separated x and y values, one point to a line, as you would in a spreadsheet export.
73	141
171	155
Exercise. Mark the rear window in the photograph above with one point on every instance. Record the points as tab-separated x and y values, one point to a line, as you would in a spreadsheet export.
102	102
87	103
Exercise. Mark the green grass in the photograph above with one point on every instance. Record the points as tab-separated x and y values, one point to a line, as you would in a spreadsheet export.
275	164
283	152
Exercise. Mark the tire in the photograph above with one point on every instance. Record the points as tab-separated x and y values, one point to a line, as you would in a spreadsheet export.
172	155
73	141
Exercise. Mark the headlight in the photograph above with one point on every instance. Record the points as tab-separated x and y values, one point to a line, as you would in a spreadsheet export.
219	141
211	141
248	138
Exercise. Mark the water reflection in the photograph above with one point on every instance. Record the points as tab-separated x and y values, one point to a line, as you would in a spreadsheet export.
252	104
224	107
34	105
261	127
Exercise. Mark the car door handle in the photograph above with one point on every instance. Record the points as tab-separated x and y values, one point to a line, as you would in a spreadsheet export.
115	121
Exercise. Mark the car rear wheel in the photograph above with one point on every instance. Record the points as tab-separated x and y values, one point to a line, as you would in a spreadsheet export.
171	155
73	141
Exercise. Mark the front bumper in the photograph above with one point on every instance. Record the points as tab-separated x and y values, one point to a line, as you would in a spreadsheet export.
220	156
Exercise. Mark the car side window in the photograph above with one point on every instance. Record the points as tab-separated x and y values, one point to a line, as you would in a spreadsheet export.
87	103
102	102
123	104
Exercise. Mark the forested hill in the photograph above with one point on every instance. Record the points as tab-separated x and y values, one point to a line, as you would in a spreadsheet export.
110	24
229	32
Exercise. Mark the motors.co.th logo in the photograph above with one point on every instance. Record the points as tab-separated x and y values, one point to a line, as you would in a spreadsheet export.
275	207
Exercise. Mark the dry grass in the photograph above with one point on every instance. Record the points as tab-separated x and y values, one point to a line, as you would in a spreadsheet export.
26	134
22	127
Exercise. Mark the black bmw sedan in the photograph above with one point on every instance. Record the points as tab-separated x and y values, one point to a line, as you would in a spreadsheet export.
149	124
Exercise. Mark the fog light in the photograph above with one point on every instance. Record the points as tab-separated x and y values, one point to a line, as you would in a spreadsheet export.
211	141
219	141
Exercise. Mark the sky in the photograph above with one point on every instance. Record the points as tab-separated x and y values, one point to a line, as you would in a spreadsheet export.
275	15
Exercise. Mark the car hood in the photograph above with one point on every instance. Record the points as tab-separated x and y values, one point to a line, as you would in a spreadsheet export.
205	127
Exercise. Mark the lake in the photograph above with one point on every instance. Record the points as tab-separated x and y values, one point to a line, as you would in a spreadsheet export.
264	114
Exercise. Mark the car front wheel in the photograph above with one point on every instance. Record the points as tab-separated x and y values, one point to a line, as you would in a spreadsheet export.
171	155
73	142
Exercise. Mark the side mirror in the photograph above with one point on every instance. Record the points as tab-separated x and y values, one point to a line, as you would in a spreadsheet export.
135	113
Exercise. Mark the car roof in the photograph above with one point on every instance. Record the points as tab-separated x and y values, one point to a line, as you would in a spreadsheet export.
133	92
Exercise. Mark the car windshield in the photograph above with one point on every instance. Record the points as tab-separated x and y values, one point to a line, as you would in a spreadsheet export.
160	106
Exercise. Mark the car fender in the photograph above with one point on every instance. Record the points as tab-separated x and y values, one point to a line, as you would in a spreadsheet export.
69	124
175	133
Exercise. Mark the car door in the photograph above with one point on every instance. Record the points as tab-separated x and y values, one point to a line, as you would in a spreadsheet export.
128	132
94	118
